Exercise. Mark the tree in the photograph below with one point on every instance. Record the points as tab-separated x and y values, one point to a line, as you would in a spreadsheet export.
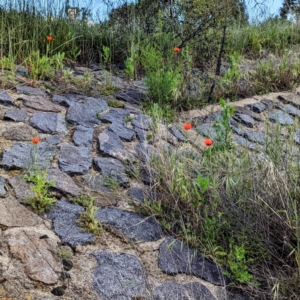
290	6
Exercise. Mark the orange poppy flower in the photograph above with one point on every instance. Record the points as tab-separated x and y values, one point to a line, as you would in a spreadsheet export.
176	49
208	142
187	126
49	38
35	140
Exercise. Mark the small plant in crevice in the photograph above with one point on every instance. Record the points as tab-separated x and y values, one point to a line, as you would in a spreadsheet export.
64	254
88	218
42	200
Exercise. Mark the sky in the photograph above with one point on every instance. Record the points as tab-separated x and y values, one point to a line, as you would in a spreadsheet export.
271	6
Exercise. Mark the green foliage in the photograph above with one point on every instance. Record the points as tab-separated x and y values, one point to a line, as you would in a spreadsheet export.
82	199
64	254
106	55
115	103
41	201
238	264
42	67
129	67
88	218
222	127
163	78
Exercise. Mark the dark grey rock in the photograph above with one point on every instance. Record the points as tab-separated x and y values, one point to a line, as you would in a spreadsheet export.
21	187
97	182
137	193
132	108
5	98
96	104
38	104
74	160
49	122
145	152
140	85
63	182
64	275
297	136
17	115
245	143
141	134
22	155
58	291
119	276
53	139
268	103
111	145
2	187
237	130
114	115
83	136
62	100
176	257
177	133
244	119
147	176
290	99
198	291
113	169
21	71
289	109
68	99
246	111
254	136
122	131
213	117
84	115
257	107
207	130
281	117
142	121
132	225
27	90
130	95
19	132
67	263
64	216
170	291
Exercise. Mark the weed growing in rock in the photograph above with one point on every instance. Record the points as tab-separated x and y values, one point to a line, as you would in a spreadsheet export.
41	200
115	103
88	218
64	254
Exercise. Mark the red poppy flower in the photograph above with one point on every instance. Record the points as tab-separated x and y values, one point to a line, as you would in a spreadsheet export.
49	38
176	49
187	126
208	142
35	140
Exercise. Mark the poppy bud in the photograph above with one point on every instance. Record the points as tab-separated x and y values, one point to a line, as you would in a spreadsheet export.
35	140
208	142
187	126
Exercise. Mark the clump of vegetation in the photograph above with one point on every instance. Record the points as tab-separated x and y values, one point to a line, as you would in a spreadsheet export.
115	103
41	200
237	208
88	218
